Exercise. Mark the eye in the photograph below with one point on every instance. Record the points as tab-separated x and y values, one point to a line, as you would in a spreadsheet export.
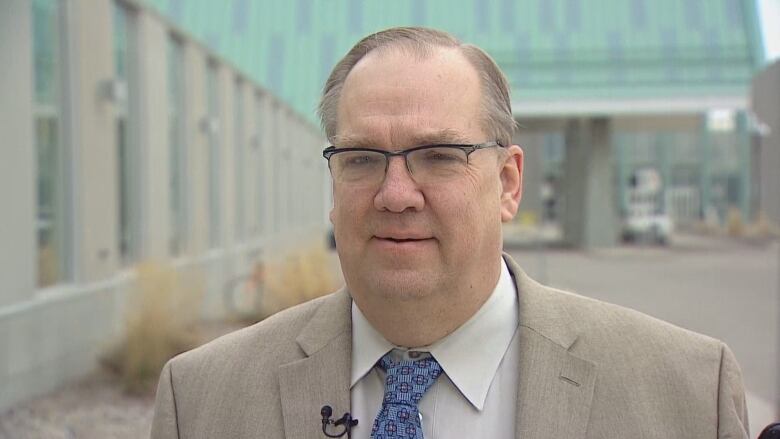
443	155
360	158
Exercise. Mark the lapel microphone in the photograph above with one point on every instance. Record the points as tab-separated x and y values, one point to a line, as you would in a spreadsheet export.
346	421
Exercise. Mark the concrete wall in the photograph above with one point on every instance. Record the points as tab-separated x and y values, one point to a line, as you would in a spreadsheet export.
49	336
17	165
56	337
153	130
95	201
197	150
766	106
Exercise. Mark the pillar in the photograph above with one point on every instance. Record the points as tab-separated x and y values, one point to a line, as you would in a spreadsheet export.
590	218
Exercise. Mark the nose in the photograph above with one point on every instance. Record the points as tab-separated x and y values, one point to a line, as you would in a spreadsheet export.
398	191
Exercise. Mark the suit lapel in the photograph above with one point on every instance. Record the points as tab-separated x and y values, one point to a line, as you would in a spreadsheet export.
322	377
555	387
554	391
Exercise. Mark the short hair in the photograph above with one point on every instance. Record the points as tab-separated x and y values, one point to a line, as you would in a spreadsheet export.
497	120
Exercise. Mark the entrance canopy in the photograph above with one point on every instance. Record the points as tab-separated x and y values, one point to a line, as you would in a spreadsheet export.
561	56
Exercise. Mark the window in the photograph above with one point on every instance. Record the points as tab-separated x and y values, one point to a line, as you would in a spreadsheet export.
259	147
212	98
179	226
127	153
277	179
51	155
240	144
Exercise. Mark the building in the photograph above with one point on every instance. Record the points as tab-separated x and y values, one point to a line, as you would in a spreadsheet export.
766	132
126	140
600	89
138	130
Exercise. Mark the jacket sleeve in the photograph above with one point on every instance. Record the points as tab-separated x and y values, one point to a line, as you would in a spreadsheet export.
165	423
732	408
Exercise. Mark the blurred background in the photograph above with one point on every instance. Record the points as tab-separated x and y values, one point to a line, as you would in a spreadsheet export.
161	180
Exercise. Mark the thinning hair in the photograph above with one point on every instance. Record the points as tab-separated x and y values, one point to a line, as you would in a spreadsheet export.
497	121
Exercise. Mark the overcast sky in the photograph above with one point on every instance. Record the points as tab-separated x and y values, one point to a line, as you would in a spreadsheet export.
769	10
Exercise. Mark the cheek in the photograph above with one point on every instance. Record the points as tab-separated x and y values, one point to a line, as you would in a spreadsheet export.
469	213
457	211
349	209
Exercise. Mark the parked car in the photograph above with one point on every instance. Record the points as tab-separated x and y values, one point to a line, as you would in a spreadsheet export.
646	218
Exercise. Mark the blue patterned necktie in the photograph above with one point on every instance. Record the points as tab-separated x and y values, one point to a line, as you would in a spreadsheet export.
405	385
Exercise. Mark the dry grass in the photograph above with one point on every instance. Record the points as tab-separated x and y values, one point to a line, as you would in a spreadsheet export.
763	227
734	224
301	275
164	313
161	324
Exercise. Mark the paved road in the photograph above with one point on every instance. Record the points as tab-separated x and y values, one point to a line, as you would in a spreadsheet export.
719	287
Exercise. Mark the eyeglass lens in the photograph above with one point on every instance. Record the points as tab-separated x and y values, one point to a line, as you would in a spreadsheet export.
427	165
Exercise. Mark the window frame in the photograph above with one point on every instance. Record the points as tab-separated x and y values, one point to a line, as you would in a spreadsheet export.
179	178
62	204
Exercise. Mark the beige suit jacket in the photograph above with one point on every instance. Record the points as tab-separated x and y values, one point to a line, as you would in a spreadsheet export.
588	369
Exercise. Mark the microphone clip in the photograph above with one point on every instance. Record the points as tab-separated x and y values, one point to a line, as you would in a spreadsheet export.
345	421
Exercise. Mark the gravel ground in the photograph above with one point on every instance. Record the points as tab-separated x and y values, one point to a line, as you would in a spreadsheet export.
95	407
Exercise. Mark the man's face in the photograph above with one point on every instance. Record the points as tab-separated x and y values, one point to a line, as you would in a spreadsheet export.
401	240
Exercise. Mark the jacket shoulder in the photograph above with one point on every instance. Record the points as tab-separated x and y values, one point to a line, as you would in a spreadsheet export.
267	343
652	369
615	324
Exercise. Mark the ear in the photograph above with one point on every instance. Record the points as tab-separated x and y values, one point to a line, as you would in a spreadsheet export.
511	173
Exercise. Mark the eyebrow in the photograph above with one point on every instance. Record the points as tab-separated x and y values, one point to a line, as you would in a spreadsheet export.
443	136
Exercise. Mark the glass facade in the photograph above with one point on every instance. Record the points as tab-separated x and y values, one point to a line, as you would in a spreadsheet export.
50	149
259	147
240	147
179	225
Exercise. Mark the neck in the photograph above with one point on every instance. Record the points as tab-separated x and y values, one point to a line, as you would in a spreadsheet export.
423	321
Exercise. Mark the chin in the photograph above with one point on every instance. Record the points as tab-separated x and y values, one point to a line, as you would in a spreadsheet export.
401	284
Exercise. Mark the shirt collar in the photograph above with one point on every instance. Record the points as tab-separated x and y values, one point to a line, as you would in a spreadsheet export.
470	356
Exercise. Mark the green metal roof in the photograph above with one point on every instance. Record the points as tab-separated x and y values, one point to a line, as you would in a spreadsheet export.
549	49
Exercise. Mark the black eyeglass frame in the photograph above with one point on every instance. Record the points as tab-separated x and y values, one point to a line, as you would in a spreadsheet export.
328	152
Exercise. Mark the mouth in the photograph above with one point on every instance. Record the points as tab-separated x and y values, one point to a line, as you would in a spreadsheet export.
403	246
402	240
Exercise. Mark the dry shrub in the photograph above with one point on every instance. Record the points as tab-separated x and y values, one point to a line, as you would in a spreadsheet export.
763	227
243	296
300	276
161	321
734	224
528	218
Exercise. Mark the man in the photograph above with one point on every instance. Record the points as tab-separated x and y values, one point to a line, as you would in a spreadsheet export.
437	334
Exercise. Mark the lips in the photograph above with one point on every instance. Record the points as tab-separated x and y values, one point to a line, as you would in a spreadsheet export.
402	237
399	240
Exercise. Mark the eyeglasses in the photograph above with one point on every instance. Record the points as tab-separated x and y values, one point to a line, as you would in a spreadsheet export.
429	164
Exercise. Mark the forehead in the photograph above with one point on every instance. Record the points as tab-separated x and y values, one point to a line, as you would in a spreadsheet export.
394	99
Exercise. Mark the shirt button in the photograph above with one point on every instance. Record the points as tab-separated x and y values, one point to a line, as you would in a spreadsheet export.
414	354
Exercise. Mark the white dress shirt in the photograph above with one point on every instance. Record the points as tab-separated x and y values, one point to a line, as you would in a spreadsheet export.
477	393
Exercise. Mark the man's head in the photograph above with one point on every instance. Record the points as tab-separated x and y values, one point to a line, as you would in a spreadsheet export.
417	42
426	231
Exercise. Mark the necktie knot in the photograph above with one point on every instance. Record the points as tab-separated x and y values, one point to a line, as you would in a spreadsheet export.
405	384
